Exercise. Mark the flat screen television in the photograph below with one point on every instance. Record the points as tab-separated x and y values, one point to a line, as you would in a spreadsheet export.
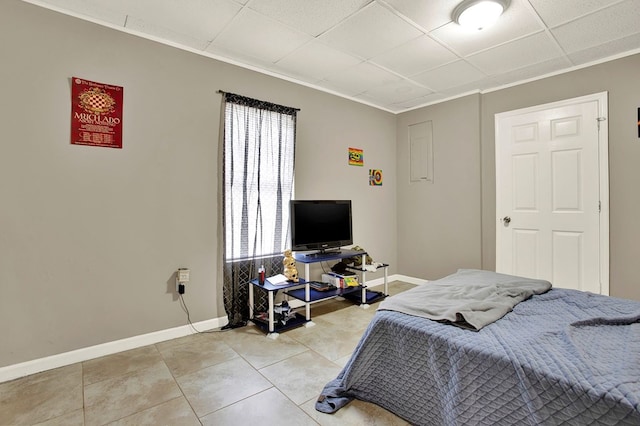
321	225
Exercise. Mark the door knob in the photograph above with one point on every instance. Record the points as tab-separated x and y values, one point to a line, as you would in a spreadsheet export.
506	220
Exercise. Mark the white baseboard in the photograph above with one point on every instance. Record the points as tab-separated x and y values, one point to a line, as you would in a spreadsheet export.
396	277
407	279
67	358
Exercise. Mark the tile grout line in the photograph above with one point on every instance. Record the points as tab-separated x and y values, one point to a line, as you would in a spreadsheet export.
175	380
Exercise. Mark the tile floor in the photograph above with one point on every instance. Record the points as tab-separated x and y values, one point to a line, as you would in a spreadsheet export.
234	377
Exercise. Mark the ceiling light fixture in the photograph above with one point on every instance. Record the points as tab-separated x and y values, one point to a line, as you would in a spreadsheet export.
479	14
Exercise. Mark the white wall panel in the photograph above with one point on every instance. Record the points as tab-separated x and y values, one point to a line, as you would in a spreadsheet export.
421	151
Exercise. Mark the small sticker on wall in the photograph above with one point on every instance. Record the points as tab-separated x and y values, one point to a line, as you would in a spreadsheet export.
356	157
375	177
639	122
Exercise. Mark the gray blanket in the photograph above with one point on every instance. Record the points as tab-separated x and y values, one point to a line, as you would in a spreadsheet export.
469	298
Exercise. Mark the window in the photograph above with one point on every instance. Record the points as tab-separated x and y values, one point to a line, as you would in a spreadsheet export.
258	177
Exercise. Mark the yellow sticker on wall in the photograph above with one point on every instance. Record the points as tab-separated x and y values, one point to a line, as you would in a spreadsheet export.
356	157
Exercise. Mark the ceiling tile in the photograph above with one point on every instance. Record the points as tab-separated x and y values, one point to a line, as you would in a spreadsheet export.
450	75
418	102
627	45
362	77
310	16
243	59
273	43
370	32
145	27
315	60
373	50
429	15
517	21
398	91
470	87
516	54
555	12
199	19
95	9
533	71
334	88
618	21
417	55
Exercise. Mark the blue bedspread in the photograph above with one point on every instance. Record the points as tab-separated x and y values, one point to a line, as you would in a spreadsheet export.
563	357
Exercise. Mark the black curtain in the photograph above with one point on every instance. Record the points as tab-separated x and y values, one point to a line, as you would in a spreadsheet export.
258	164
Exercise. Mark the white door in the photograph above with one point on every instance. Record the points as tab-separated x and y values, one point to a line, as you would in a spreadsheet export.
552	193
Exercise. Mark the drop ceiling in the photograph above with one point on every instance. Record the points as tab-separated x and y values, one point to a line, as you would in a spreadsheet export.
395	55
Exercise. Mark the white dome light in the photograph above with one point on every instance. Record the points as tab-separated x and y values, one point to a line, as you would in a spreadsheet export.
479	14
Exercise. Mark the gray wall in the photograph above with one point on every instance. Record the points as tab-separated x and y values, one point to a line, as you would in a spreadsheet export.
620	79
439	226
90	237
450	224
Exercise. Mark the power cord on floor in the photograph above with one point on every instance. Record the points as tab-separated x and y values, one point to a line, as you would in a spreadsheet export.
186	310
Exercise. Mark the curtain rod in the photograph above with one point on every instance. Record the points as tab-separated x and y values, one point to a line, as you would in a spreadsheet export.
257	100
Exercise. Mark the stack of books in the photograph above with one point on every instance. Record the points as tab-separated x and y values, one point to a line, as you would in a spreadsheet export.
341	280
320	286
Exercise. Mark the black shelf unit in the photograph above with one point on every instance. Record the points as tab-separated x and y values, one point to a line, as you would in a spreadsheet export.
317	296
358	294
297	321
370	297
272	289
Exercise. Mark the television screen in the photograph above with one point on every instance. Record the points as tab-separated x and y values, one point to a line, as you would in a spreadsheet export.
320	224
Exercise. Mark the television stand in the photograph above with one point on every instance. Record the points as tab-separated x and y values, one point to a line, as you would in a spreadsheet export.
358	294
304	292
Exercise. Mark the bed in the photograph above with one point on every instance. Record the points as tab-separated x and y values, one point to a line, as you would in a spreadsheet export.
557	356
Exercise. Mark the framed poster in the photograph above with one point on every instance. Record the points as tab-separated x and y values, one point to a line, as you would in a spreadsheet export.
96	113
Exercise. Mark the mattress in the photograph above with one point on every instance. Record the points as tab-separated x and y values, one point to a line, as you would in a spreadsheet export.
561	357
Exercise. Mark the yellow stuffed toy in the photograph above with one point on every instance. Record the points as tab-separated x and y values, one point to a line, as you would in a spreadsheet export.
290	270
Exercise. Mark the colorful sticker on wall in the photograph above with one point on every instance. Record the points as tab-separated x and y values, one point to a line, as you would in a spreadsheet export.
639	122
96	113
375	177
356	157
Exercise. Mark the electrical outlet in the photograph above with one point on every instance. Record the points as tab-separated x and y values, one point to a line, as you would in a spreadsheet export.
182	277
